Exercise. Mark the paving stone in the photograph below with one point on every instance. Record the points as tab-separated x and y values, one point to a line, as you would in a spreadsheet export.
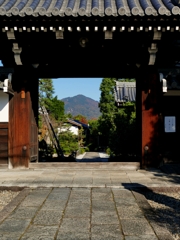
134	227
101	190
73	236
40	233
10	236
130	212
99	206
125	202
60	193
48	217
78	197
84	191
83	179
79	211
36	198
122	193
100	181
79	225
104	218
106	232
119	180
143	237
79	200
165	236
102	196
56	202
30	202
14	225
24	212
59	182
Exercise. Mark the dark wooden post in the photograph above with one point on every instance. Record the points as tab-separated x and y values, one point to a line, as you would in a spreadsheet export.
21	115
150	109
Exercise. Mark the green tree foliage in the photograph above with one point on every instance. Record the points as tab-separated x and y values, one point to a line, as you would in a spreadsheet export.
117	125
57	109
94	134
46	91
54	106
68	142
108	109
127	80
81	118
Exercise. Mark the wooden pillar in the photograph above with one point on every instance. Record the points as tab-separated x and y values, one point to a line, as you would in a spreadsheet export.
149	109
21	116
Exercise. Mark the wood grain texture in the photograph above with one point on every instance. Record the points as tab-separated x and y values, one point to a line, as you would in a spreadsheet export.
3	143
150	121
22	133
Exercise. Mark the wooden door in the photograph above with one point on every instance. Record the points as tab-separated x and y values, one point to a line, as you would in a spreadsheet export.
3	143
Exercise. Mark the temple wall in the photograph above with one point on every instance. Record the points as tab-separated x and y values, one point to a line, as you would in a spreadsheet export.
4	107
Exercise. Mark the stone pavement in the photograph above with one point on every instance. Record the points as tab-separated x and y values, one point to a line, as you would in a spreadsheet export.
85	176
82	204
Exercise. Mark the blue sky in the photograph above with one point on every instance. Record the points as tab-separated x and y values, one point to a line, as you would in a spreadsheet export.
70	87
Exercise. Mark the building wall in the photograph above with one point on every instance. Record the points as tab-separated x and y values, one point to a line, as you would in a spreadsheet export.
4	107
170	140
72	129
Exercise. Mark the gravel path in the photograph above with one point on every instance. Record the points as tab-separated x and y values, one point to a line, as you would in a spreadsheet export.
167	207
6	197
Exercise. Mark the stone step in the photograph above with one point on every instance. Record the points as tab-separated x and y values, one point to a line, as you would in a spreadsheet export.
87	165
5	165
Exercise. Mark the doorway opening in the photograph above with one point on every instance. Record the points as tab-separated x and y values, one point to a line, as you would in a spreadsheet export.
87	115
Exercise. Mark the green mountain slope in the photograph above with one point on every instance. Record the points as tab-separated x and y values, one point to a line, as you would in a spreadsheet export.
83	105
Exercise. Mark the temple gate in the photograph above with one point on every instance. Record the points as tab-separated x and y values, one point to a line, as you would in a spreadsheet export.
88	38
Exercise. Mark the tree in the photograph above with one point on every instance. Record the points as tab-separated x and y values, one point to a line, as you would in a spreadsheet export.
56	109
81	118
108	109
94	142
117	125
54	106
68	142
46	91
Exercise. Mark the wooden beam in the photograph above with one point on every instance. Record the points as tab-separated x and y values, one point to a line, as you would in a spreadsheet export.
150	120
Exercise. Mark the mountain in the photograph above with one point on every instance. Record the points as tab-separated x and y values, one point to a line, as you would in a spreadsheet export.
83	105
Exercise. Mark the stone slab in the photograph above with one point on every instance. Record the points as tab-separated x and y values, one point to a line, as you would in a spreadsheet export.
24	213
80	226
73	236
17	226
142	237
40	232
134	227
106	232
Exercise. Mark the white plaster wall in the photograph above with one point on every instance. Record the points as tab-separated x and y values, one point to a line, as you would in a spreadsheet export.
72	129
4	107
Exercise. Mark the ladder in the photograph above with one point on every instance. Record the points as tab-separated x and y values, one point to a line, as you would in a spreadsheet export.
52	133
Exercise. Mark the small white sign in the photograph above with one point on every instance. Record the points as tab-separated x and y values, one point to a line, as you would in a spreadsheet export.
170	124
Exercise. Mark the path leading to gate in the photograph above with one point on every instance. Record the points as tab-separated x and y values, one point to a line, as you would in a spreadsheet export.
83	203
93	157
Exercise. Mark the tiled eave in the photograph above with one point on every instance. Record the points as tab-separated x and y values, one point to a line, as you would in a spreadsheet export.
88	8
125	92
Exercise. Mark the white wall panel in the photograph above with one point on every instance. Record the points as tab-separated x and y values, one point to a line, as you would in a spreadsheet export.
4	107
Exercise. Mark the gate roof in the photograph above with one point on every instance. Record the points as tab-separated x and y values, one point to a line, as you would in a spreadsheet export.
88	7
